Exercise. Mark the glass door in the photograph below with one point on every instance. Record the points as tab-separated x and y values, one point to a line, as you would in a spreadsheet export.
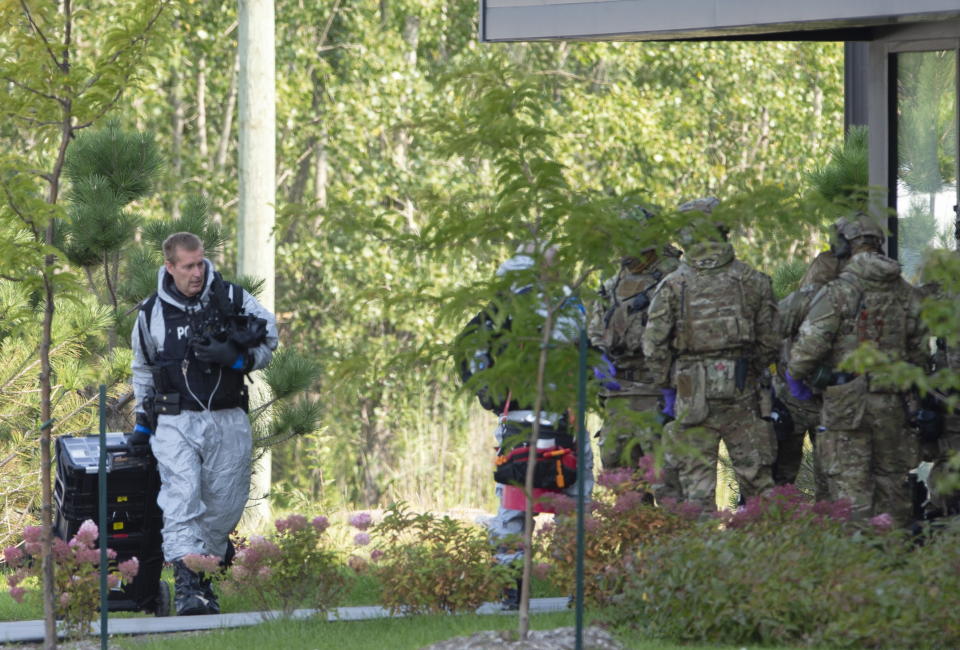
926	155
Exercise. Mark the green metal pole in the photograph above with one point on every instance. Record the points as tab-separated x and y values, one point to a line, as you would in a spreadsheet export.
102	489
581	445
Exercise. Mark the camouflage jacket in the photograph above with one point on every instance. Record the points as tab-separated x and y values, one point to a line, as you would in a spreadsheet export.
793	309
869	301
713	306
824	268
617	320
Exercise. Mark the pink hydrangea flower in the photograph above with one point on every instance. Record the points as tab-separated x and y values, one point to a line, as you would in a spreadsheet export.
87	534
263	548
541	570
648	466
376	554
32	534
201	563
361	520
17	593
613	478
129	569
87	555
882	522
321	523
361	539
627	501
293	524
561	504
12	556
61	550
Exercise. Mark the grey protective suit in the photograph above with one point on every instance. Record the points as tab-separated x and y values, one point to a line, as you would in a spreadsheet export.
204	456
509	522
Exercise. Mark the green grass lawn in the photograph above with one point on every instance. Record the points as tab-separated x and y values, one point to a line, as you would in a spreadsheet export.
379	634
361	590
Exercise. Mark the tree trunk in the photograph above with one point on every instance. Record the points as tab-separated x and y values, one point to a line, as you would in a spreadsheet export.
202	147
225	132
257	163
176	167
524	627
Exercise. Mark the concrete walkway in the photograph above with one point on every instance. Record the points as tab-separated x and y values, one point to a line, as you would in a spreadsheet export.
23	631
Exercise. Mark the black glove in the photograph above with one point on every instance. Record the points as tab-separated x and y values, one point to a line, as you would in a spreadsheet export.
138	442
225	353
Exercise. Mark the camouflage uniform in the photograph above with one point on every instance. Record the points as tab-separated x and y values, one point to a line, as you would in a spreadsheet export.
864	446
946	503
712	317
616	326
805	413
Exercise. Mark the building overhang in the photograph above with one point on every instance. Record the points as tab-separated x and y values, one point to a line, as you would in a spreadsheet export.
697	20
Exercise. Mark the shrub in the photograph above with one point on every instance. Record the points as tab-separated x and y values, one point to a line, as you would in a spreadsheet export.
619	521
428	564
76	573
289	570
786	571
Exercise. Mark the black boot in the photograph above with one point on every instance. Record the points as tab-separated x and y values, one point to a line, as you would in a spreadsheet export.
206	586
190	598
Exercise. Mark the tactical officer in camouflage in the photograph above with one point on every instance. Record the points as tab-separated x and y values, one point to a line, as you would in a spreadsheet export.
804	405
863	444
617	320
940	434
711	332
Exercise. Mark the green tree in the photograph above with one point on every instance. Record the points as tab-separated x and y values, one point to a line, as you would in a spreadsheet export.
59	78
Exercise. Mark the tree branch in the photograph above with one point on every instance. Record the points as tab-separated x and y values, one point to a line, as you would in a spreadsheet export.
36	28
27	88
142	36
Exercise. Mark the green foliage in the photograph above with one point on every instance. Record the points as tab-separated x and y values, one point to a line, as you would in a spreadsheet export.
76	574
845	178
290	569
435	564
290	419
621	519
290	373
787	573
195	218
786	277
127	161
927	121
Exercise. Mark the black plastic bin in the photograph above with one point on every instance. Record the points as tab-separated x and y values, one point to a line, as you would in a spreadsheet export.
134	520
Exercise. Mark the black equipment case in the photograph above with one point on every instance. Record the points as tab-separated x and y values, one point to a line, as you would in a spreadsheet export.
134	519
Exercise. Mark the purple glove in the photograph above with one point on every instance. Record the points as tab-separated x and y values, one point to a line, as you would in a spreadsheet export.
798	389
605	375
669	400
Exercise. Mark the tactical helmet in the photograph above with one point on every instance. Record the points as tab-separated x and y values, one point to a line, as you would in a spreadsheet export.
860	225
839	245
706	206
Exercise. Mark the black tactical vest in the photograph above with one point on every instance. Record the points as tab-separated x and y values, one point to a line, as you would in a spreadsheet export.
201	381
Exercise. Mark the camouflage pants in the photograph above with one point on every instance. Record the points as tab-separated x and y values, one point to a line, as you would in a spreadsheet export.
945	498
623	440
806	419
869	465
750	441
